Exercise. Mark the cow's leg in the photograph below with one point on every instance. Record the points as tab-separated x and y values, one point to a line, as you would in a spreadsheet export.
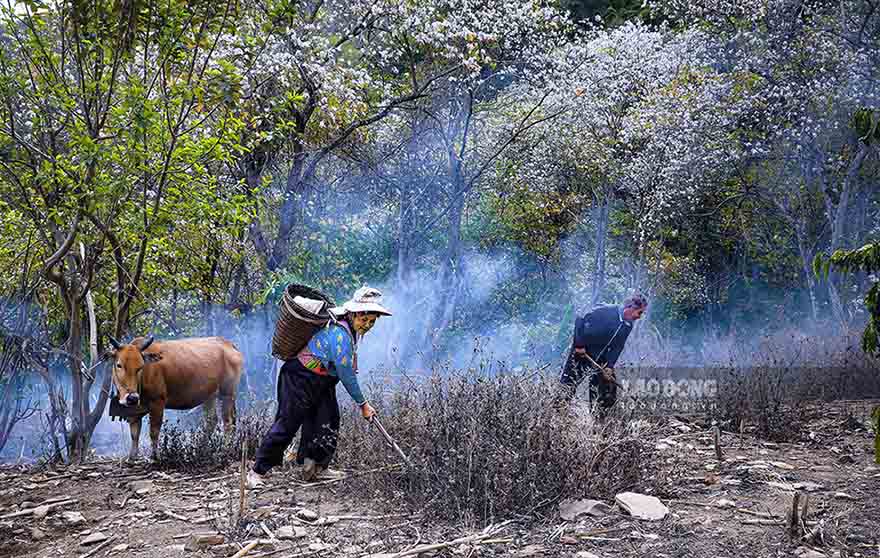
228	408
209	407
134	424
157	411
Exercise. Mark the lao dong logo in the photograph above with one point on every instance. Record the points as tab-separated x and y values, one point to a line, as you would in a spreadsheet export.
678	384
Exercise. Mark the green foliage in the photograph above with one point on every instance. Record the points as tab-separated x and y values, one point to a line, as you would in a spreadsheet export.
336	259
866	259
866	123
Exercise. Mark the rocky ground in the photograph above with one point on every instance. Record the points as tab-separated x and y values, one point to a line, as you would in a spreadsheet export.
738	506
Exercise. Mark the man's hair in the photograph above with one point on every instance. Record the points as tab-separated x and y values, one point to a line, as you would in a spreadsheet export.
636	301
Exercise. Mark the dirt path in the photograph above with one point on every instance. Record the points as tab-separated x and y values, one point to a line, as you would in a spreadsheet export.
738	507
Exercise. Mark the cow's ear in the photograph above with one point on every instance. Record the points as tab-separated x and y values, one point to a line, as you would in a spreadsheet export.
152	357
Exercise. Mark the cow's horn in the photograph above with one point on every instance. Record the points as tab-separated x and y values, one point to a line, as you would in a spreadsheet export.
147	343
116	344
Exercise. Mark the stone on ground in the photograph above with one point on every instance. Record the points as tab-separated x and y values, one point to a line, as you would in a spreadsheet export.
570	510
642	506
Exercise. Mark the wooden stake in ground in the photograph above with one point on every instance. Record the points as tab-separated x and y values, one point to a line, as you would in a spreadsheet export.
718	455
242	481
793	520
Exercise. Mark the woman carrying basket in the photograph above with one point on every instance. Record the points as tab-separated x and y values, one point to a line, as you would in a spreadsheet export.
307	389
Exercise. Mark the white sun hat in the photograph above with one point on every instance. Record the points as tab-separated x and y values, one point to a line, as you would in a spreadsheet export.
365	299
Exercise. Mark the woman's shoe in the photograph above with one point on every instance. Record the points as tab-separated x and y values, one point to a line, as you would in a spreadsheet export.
309	470
255	480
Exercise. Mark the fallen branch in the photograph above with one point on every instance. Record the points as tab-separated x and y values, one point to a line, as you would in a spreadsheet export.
59	477
759	514
247	548
175	515
47	507
485	535
366	517
302	554
507	540
97	548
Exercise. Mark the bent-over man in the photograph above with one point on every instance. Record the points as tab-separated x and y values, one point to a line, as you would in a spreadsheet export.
600	335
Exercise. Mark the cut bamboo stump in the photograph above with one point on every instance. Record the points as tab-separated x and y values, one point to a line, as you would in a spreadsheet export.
794	522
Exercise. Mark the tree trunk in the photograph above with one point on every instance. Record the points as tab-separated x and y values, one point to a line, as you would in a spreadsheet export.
837	215
77	438
807	266
290	210
599	257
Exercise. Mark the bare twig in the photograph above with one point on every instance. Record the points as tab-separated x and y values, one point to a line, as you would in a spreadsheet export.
247	548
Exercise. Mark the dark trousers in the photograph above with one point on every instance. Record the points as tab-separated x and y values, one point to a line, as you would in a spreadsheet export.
306	400
601	390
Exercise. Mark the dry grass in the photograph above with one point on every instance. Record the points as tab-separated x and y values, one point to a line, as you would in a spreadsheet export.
490	447
199	450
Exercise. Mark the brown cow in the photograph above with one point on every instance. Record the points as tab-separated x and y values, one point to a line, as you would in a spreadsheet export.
179	374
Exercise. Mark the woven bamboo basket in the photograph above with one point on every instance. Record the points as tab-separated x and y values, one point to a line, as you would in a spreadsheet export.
296	325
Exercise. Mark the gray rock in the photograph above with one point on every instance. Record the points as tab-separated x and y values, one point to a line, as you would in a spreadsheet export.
642	506
585	554
73	518
119	548
40	512
570	510
141	487
94	538
307	515
37	534
289	532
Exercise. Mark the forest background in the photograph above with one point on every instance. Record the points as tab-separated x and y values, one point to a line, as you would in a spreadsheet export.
495	167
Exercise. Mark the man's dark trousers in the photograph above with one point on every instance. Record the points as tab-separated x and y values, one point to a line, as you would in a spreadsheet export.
601	391
307	400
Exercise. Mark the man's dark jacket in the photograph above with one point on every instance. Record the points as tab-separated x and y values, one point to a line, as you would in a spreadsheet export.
596	333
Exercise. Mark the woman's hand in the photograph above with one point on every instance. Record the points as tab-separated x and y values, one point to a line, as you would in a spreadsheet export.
367	410
608	374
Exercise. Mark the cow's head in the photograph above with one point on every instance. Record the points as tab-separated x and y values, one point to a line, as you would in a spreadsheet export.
128	366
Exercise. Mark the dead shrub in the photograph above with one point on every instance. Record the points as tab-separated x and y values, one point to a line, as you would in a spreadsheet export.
489	446
758	396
